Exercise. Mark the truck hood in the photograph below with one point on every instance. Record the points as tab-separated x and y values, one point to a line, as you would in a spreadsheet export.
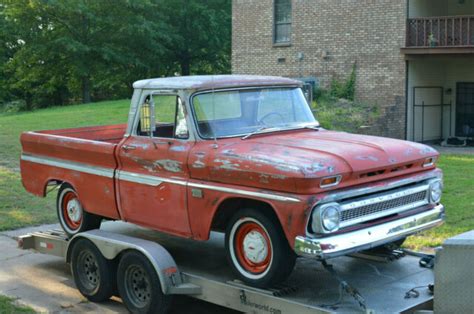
296	161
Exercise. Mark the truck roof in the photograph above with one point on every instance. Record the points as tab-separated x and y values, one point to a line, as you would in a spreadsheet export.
201	82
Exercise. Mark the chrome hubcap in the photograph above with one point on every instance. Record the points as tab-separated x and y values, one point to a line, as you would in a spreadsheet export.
74	210
255	247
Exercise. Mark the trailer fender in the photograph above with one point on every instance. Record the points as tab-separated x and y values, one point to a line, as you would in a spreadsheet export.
112	244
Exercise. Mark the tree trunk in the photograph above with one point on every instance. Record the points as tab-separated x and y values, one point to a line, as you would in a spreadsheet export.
185	67
86	90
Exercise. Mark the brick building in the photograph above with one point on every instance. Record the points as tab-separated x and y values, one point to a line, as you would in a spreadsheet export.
414	57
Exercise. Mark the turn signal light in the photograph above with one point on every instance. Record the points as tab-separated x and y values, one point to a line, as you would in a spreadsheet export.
330	181
429	162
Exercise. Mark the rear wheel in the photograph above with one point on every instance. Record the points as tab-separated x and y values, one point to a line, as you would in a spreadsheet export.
71	214
94	275
139	285
257	248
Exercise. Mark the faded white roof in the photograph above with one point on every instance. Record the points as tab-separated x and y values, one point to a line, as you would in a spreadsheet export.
213	81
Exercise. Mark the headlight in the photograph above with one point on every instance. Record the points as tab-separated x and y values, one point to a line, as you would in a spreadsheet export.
326	219
436	189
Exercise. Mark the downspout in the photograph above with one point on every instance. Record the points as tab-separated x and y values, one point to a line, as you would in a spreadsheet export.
407	66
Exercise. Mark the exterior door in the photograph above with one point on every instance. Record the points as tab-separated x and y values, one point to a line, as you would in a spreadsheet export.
153	171
465	110
427	113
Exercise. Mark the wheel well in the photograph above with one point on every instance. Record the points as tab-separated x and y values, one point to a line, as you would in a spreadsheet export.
52	182
230	206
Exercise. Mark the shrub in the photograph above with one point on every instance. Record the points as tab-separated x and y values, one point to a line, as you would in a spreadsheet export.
336	108
14	106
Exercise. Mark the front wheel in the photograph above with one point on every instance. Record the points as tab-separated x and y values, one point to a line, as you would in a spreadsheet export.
257	248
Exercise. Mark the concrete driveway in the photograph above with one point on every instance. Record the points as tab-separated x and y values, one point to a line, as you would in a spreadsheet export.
45	283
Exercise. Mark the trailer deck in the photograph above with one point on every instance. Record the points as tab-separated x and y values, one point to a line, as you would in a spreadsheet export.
310	288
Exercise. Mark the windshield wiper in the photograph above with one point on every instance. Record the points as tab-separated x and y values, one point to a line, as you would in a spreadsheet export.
266	128
312	127
257	131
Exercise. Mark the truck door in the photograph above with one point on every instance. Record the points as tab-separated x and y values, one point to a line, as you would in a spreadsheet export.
153	172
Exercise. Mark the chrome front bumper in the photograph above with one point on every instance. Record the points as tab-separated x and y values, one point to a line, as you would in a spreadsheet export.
346	243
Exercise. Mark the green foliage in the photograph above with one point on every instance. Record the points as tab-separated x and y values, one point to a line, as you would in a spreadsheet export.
56	52
336	108
344	89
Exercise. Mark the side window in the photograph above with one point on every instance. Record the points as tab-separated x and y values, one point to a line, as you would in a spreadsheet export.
163	116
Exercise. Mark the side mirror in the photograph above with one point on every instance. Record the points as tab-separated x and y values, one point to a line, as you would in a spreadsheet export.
147	117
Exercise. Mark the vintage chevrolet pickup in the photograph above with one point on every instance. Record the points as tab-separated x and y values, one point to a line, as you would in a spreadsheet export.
242	155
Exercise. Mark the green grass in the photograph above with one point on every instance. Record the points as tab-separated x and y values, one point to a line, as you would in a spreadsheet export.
18	208
7	306
458	198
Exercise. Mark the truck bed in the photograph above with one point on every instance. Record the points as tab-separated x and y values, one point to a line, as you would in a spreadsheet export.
83	156
107	133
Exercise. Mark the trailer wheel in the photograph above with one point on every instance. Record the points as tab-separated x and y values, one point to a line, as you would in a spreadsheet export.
139	285
93	274
257	248
71	214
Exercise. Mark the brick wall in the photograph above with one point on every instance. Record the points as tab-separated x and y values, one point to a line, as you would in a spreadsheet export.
332	35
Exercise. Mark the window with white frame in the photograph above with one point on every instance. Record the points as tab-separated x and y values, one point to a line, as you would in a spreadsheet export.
282	21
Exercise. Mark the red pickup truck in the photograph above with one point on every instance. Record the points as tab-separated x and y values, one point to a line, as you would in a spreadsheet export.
242	155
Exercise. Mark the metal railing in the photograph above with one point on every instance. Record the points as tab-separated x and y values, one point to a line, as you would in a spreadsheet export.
440	31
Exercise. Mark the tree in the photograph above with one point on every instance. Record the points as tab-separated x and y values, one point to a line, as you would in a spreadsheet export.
55	52
200	34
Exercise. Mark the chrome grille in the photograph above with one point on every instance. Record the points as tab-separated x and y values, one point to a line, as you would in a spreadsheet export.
382	206
357	210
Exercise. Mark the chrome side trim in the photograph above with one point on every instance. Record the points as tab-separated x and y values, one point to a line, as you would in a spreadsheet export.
346	243
146	179
246	193
70	165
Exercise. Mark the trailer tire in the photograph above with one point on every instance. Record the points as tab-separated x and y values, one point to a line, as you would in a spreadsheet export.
93	274
139	285
257	248
72	216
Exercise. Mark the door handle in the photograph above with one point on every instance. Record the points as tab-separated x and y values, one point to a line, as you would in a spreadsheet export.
162	142
128	147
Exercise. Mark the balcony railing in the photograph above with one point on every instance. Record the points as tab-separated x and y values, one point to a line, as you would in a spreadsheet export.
440	31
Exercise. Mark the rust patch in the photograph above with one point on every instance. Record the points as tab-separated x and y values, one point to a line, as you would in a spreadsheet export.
199	163
169	165
214	201
227	164
178	148
164	164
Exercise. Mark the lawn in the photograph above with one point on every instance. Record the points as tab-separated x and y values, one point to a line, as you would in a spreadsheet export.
18	208
8	306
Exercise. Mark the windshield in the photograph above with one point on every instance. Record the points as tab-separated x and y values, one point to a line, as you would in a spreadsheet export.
241	112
